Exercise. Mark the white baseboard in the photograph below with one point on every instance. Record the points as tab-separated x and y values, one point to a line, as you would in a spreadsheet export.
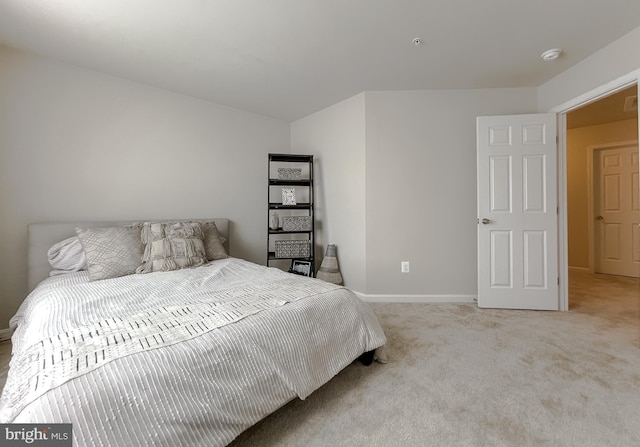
375	298
5	334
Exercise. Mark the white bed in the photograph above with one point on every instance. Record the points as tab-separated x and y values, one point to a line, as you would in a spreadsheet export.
259	338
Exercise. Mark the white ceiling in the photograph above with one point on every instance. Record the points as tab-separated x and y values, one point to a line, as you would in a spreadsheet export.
290	58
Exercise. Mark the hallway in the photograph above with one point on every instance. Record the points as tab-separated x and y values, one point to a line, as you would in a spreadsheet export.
616	299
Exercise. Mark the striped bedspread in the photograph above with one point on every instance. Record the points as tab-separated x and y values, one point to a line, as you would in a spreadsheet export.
191	357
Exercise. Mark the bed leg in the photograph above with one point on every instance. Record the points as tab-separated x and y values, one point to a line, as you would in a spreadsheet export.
367	358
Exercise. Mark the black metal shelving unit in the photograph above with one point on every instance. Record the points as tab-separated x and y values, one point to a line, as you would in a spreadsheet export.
306	208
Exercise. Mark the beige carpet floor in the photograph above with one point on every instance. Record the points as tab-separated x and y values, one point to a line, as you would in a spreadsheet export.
462	376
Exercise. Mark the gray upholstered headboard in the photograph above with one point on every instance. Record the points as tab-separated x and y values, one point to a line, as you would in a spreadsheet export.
43	235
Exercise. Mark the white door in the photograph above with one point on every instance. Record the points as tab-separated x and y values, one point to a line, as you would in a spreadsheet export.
616	208
517	212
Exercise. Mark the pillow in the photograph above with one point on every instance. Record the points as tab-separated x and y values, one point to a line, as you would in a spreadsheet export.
112	251
171	246
213	241
67	256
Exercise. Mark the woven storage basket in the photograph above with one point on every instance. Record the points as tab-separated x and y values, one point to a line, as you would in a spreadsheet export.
296	223
289	173
293	249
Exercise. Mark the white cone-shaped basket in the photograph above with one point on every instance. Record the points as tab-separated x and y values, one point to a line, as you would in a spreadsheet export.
329	270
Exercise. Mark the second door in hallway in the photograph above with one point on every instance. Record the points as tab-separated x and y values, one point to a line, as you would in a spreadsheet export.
617	210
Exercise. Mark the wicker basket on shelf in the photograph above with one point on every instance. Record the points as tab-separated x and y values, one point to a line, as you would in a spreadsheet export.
293	249
296	223
289	173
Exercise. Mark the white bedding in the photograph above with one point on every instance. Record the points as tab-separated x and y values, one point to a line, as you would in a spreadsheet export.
203	389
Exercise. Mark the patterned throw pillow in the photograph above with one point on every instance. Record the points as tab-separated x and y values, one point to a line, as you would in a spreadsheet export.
171	246
112	251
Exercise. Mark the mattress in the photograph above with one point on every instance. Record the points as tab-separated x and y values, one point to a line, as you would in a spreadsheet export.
226	344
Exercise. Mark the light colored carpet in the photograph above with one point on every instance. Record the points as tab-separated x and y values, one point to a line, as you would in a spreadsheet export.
462	376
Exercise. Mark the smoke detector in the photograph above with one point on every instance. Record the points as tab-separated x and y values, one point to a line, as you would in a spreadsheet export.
631	103
551	55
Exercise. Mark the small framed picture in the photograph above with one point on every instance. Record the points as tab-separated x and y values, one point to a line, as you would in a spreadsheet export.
288	196
300	267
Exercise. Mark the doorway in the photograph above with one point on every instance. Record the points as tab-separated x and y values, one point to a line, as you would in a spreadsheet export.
610	121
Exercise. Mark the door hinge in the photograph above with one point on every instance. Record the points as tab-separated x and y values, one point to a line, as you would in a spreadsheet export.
557	139
558	280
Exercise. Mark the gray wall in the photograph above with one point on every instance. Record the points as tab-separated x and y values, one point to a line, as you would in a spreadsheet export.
417	161
336	137
421	188
79	145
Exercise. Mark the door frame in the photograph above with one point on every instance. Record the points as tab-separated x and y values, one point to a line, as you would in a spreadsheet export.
561	111
591	215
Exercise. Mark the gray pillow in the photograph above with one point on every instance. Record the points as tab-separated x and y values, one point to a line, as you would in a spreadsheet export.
171	246
111	251
213	241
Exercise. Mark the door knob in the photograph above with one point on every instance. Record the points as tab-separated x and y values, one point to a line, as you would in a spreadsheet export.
599	218
486	221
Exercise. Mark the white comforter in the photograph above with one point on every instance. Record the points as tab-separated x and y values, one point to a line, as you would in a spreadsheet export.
263	337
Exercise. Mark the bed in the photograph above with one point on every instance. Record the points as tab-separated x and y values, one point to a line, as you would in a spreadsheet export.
189	356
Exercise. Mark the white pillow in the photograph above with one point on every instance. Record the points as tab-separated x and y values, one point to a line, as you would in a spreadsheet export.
67	256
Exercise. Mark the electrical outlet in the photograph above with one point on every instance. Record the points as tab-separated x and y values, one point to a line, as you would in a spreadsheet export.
404	267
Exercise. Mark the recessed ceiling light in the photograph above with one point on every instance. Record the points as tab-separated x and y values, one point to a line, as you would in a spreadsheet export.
551	55
417	41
